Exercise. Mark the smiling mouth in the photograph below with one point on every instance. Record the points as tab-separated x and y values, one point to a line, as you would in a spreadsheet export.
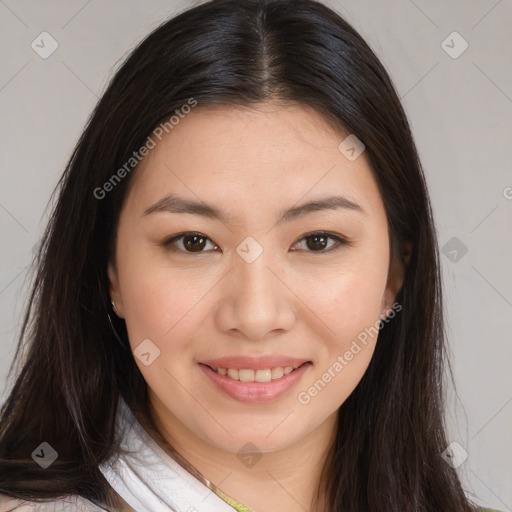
260	375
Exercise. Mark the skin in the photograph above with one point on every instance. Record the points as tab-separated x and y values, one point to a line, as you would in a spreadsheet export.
251	164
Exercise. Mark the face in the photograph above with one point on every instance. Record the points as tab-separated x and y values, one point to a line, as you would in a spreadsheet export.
250	283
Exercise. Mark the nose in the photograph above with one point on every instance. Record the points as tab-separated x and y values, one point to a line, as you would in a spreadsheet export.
256	302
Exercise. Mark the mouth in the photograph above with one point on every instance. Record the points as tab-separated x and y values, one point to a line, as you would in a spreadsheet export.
255	385
255	375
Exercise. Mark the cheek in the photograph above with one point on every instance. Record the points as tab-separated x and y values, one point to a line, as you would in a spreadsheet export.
163	307
351	308
349	299
349	303
159	303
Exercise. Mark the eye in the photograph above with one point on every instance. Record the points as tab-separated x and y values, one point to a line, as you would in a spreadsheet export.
318	241
190	242
193	242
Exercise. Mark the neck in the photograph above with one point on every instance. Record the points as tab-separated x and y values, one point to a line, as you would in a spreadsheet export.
285	479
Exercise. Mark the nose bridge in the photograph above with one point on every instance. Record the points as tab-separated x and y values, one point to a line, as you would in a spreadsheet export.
256	301
257	285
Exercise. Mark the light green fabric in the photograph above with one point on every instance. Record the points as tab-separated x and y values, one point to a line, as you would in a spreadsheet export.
228	499
242	508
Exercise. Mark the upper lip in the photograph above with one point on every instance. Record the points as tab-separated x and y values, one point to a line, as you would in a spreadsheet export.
254	363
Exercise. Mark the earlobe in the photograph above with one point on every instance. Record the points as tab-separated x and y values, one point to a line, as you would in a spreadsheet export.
396	277
406	252
113	288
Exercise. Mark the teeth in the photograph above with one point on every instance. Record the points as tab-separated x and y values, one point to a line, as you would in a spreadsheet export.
263	375
233	373
277	373
248	375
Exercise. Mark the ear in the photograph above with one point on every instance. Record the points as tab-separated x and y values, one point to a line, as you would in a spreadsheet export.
396	275
113	288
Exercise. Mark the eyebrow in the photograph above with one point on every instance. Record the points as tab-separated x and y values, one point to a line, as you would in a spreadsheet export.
175	204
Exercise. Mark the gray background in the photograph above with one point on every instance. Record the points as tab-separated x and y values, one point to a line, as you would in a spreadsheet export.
460	110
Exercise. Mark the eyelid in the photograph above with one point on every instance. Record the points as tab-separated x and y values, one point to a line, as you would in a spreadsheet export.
340	240
168	241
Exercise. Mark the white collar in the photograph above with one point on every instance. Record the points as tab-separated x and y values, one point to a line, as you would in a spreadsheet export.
149	479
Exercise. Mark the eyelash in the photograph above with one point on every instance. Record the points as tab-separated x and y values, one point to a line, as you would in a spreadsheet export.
339	241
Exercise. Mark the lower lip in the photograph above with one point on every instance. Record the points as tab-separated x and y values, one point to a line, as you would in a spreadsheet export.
255	392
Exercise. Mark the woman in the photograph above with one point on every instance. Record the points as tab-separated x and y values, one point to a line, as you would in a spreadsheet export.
238	299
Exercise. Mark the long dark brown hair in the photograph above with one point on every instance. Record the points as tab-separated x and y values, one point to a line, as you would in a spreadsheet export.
72	370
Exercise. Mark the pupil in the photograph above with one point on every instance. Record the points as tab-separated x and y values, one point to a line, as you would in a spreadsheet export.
194	244
319	240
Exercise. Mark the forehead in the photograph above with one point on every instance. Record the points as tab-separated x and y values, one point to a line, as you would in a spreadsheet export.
265	155
223	133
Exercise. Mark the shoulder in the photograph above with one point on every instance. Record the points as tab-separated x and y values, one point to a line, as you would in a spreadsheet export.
72	503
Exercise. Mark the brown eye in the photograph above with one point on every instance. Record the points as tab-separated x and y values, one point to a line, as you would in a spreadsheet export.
319	242
197	243
194	243
188	242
